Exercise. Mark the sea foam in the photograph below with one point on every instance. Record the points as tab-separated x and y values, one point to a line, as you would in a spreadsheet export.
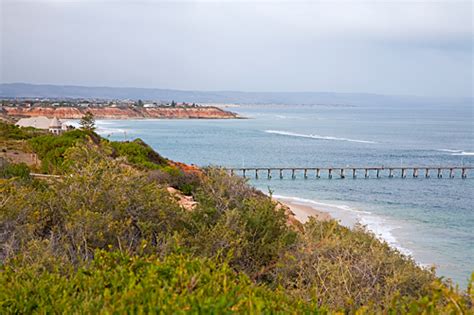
348	216
318	137
106	128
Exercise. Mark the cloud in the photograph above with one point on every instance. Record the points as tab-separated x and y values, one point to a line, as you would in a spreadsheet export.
400	47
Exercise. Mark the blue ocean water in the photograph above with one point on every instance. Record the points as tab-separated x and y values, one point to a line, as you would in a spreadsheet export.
430	219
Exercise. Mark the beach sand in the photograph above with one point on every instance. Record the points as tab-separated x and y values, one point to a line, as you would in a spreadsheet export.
303	212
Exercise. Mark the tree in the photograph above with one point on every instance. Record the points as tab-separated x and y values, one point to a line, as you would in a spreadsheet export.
140	103
173	104
87	122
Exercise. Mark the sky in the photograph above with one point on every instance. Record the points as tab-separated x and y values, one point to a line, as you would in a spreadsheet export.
387	47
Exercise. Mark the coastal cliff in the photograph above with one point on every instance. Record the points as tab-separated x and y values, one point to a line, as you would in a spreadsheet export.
122	113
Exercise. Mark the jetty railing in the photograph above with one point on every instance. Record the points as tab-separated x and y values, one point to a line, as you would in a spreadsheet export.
341	172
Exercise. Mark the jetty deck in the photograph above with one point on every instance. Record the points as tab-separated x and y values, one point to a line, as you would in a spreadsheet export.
354	172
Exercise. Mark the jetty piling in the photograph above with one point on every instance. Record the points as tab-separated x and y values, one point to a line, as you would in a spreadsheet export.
354	173
366	173
318	175
330	173
269	175
342	173
415	173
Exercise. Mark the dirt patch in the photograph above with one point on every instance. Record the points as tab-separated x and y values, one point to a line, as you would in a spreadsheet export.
17	152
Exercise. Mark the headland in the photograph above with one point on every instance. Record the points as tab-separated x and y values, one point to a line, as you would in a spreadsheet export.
124	109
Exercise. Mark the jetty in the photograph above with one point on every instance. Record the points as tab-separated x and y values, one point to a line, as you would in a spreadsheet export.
353	172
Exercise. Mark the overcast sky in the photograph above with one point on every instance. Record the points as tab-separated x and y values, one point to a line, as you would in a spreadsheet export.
396	47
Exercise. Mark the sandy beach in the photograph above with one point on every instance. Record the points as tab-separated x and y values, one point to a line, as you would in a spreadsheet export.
303	212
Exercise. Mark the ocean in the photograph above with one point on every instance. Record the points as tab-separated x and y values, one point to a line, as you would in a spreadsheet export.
430	219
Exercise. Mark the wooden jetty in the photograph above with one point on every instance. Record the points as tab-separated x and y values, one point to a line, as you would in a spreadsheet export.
340	172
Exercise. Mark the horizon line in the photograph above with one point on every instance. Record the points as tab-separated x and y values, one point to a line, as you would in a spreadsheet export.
235	91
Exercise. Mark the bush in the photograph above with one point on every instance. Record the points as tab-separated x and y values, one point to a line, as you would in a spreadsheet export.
347	269
15	170
13	132
117	283
232	219
51	148
139	154
179	283
102	206
186	182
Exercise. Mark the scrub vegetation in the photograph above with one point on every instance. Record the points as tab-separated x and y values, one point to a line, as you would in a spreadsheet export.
108	237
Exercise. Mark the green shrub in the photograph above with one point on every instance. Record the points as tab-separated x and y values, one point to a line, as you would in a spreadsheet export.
186	182
139	154
233	219
13	132
102	206
15	170
347	268
114	282
117	283
51	148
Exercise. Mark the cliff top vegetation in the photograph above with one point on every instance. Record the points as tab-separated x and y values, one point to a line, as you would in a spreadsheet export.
107	236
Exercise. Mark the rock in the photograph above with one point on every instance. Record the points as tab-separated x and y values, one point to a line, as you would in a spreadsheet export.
186	202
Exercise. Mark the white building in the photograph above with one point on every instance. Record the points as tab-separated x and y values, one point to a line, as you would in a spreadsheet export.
54	125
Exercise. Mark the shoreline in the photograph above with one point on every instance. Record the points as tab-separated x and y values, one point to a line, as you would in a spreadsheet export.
346	216
303	212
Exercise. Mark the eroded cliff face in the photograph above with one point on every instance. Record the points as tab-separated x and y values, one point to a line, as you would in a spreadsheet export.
122	113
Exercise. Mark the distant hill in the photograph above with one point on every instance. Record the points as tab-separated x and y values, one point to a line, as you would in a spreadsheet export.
235	97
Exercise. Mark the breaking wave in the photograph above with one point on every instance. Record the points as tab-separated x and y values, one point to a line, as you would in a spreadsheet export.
456	152
106	128
463	153
318	137
381	228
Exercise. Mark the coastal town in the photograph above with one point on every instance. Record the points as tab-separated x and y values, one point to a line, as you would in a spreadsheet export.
70	108
90	103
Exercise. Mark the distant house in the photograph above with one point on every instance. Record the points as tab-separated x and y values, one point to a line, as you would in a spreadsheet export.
149	105
54	125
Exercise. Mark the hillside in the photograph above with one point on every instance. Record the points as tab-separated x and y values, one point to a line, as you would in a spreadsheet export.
14	90
111	234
